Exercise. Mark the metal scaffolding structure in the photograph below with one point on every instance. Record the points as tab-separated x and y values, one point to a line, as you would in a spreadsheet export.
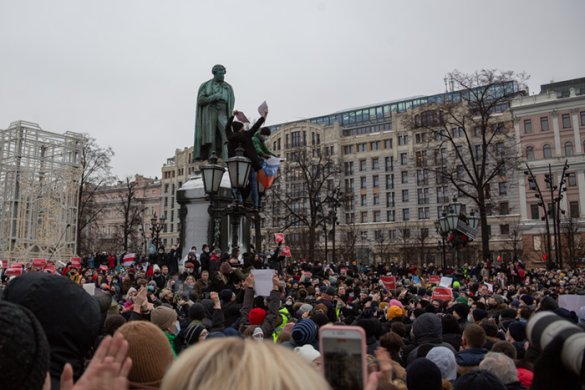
39	187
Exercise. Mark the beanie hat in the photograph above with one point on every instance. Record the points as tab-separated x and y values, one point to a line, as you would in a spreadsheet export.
197	312
525	377
462	300
24	349
395	302
461	309
226	295
527	299
479	380
444	358
320	319
479	314
517	330
257	316
193	333
393	312
164	317
304	332
330	291
149	350
308	353
423	374
456	284
112	323
305	308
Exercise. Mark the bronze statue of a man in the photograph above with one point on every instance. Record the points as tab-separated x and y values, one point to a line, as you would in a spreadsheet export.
215	102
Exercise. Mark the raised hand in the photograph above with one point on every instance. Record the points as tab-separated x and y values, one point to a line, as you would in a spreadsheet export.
107	370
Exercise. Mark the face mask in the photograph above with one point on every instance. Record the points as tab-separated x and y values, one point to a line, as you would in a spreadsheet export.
469	318
189	270
177	328
150	288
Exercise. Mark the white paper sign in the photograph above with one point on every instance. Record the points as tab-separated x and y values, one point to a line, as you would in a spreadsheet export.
445	281
263	109
263	281
490	287
571	302
90	288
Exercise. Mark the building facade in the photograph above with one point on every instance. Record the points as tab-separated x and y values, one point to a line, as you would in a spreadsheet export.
387	173
140	199
175	172
39	187
550	128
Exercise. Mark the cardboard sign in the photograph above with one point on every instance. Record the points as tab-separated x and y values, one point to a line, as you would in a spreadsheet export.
389	282
89	288
279	237
39	263
445	281
571	302
442	294
435	279
262	281
489	286
75	262
13	271
103	267
284	251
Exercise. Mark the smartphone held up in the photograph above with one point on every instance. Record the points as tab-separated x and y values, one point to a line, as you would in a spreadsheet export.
343	351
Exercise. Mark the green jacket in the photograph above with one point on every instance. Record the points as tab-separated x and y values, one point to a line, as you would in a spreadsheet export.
261	148
171	338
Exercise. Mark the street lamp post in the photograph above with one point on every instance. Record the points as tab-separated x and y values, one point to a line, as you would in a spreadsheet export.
334	202
238	170
552	210
457	226
156	226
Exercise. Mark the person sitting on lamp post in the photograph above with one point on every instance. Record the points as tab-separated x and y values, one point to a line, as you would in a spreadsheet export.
263	152
237	136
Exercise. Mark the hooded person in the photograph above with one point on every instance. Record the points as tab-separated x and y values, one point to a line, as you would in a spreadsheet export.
24	349
69	316
423	374
427	329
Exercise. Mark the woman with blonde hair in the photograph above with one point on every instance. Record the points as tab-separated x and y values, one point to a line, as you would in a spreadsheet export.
233	363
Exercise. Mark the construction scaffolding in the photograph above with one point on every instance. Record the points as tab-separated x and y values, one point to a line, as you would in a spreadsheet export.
39	186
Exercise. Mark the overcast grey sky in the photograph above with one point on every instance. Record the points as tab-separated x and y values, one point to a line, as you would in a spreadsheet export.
127	72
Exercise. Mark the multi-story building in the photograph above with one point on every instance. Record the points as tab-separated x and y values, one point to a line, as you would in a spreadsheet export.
141	198
175	172
550	128
387	174
39	187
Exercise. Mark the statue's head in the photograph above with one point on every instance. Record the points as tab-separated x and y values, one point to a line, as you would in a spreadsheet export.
218	72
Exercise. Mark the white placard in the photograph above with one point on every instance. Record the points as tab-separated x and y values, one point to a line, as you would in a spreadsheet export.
445	281
571	302
90	288
263	281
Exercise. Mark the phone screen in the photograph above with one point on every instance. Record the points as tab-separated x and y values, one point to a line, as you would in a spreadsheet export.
343	359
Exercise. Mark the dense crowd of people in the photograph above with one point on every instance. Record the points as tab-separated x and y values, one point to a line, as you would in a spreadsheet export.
199	324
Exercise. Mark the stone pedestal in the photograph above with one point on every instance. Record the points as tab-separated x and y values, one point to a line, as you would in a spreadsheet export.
198	227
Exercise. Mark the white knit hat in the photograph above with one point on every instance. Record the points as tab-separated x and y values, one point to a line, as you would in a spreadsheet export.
308	353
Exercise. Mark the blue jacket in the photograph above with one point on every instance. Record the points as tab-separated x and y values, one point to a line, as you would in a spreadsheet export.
470	357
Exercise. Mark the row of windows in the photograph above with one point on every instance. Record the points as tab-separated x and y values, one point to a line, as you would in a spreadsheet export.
544	125
547	151
536	212
367	146
424	213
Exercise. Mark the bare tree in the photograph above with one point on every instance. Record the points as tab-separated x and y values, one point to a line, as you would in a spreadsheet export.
406	244
131	209
349	240
96	173
382	246
300	206
574	240
471	136
514	242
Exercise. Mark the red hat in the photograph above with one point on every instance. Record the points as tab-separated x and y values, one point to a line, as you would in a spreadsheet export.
257	316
